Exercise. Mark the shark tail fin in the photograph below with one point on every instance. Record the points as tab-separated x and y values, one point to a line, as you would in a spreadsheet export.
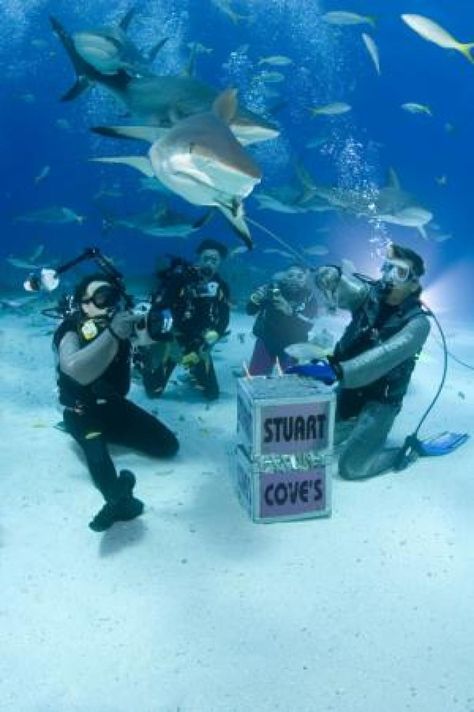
140	133
235	215
80	67
466	50
127	18
151	56
139	163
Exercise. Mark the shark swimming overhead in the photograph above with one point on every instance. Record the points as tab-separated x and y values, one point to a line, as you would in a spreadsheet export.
109	49
199	159
158	100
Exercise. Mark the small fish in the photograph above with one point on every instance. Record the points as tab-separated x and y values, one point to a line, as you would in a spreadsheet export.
442	238
55	215
414	108
442	180
334	109
42	174
449	128
199	48
316	250
372	49
239	250
270	77
276	251
63	124
341	17
432	32
276	60
39	43
317	142
28	98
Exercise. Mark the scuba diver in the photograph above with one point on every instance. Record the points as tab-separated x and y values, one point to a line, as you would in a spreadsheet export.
199	302
93	347
374	360
286	309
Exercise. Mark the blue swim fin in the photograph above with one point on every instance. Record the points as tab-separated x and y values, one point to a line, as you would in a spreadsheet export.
435	445
441	444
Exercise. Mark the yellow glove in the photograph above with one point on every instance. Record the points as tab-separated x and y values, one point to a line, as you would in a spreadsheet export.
190	359
210	337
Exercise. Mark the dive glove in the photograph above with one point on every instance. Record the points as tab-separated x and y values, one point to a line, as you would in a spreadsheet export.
319	370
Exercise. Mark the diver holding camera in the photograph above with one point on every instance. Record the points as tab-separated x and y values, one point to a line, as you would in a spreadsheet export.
285	309
93	347
196	298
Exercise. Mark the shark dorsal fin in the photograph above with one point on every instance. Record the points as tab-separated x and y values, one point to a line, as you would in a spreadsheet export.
156	48
393	180
127	18
225	105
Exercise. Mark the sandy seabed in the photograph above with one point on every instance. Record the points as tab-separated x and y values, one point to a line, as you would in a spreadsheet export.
193	607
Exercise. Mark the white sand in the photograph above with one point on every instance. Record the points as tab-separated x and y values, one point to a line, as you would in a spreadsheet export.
195	608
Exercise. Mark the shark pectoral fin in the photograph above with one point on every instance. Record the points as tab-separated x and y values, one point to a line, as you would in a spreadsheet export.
150	134
237	220
80	85
155	49
140	163
225	105
422	232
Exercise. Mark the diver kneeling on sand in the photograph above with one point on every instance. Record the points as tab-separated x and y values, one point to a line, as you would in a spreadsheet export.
94	371
374	359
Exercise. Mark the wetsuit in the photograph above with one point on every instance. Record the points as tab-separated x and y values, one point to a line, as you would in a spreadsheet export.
97	412
376	356
198	305
275	330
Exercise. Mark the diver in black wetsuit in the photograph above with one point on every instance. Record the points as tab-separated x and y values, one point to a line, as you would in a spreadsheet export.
93	369
198	299
374	360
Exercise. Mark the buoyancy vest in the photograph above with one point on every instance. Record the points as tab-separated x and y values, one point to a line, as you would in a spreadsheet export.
113	383
373	323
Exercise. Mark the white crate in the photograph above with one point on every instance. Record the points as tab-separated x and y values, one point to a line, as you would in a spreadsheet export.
284	415
278	489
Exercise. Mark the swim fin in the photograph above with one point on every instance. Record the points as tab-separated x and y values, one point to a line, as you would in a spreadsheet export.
441	444
433	446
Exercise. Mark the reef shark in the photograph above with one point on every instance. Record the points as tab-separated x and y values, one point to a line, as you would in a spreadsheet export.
109	50
389	203
159	222
159	100
199	159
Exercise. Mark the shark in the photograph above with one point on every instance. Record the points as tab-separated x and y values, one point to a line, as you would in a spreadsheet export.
161	221
388	204
199	159
159	100
109	49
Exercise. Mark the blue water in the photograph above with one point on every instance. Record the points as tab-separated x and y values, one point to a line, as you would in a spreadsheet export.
330	64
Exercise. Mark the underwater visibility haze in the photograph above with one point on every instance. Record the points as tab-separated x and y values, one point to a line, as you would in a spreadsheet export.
314	132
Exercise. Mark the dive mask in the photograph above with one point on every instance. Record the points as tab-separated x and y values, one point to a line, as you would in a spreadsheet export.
104	297
396	272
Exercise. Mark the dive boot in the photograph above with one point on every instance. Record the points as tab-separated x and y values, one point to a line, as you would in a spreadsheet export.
120	509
